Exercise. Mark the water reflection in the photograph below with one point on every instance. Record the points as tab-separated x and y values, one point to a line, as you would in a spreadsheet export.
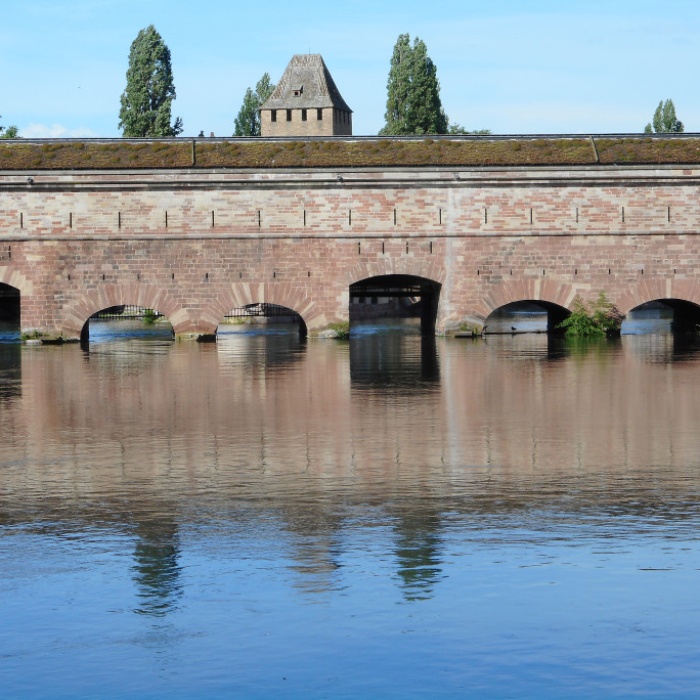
132	329
296	518
666	347
156	569
394	356
419	553
9	332
10	372
269	346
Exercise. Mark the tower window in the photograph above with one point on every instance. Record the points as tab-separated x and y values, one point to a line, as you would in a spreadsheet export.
303	115
319	115
273	115
289	115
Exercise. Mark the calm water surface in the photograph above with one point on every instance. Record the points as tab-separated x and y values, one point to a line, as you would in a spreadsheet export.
392	517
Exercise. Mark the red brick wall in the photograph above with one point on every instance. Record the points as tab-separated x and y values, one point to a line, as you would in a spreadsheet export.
195	244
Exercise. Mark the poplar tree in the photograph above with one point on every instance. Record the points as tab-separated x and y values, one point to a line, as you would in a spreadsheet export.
665	120
413	103
247	123
147	100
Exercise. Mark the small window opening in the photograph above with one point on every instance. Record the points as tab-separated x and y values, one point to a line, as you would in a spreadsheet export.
319	115
303	115
289	115
273	115
298	91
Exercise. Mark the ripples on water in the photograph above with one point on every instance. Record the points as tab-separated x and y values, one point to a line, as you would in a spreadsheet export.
392	516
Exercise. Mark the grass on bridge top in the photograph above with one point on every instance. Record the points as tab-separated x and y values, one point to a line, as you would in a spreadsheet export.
483	151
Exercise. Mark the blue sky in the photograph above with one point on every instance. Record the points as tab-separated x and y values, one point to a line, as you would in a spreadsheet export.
540	66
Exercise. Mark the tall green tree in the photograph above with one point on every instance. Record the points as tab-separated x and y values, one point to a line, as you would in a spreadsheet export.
665	120
147	100
247	123
8	132
413	103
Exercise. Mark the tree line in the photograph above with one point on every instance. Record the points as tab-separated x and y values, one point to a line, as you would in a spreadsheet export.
413	104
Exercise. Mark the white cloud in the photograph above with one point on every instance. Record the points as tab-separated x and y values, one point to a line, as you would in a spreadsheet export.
55	131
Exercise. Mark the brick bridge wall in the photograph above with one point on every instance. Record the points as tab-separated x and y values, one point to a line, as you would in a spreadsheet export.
193	244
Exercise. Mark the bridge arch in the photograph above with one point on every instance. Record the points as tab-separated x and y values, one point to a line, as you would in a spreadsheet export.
287	294
14	278
681	296
13	287
408	267
407	295
401	277
75	320
555	298
682	290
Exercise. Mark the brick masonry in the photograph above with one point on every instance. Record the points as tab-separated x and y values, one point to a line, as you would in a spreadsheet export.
195	244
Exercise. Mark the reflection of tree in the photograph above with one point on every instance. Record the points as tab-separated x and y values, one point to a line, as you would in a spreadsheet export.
156	571
315	549
418	552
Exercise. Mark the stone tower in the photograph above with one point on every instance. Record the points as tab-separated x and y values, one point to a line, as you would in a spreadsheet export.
306	102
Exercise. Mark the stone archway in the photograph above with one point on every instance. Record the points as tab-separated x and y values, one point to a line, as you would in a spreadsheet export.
658	289
396	276
13	278
147	296
681	296
407	267
287	294
526	290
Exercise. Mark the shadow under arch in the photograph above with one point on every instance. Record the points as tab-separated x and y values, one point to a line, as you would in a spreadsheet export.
404	295
525	316
683	317
10	305
13	287
556	298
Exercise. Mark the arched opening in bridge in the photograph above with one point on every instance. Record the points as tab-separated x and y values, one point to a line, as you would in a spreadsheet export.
126	322
9	313
527	316
389	300
261	319
663	316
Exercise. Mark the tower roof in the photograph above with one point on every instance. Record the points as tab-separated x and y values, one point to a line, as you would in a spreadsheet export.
306	83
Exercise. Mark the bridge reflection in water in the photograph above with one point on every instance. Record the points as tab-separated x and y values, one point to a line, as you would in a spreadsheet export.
460	505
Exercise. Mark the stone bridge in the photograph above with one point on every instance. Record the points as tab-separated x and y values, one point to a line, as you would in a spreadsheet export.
195	227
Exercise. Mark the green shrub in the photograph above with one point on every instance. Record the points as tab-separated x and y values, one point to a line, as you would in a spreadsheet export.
593	319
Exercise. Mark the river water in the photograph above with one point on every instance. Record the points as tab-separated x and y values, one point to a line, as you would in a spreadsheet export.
389	517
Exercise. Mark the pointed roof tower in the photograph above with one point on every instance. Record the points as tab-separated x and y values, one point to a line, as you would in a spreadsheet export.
306	102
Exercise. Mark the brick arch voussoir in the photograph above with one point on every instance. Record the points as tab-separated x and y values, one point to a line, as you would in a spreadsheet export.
291	296
530	289
396	266
14	278
656	290
105	296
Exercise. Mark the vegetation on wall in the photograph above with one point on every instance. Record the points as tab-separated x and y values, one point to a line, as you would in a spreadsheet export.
596	318
449	152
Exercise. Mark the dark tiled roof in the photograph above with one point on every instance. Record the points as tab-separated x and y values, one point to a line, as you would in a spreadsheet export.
308	77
